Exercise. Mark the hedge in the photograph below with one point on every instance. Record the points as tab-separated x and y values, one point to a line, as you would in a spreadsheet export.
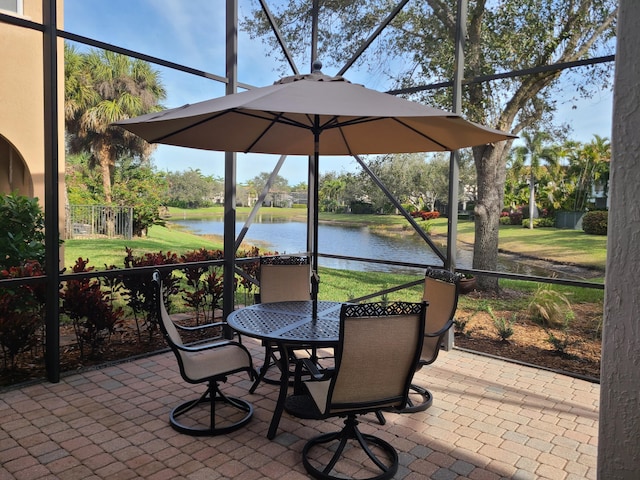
595	223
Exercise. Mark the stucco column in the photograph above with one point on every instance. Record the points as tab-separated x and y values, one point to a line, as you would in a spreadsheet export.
619	435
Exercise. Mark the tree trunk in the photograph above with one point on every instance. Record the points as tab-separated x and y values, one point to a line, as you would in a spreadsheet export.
104	157
532	198
491	167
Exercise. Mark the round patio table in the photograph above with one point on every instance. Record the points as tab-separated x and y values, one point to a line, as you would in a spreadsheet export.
288	325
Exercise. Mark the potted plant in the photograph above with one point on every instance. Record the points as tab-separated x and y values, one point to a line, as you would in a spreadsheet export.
467	283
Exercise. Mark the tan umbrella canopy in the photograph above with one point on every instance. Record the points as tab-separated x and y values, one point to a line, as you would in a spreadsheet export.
312	114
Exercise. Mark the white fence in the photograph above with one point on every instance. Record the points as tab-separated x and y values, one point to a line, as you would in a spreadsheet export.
95	221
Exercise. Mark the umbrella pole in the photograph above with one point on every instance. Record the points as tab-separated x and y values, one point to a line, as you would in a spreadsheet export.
312	215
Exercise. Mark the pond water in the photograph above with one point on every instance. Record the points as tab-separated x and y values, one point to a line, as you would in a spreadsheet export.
284	236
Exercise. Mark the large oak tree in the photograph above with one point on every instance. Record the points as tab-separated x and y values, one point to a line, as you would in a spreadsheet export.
417	48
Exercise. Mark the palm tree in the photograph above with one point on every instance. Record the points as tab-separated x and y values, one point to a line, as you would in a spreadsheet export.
535	149
102	87
597	155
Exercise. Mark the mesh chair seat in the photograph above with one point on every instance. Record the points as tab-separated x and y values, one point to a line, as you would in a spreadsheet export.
373	372
208	362
282	278
441	289
219	361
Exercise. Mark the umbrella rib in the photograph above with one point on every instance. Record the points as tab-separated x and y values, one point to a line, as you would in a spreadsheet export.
273	121
431	139
187	127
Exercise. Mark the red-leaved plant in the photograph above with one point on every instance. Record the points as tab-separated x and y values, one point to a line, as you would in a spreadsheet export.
21	312
91	311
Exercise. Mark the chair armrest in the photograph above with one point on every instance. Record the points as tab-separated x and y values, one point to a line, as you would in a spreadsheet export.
307	366
200	327
313	369
207	346
440	332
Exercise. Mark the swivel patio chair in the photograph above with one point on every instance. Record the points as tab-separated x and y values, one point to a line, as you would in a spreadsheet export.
282	278
373	371
441	289
211	362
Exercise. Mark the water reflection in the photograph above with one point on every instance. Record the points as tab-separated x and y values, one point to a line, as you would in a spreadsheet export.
286	236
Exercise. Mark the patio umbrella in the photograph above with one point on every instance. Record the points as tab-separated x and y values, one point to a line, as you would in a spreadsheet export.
312	114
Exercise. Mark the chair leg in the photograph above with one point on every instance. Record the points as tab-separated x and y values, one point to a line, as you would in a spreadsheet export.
350	431
212	396
270	360
426	400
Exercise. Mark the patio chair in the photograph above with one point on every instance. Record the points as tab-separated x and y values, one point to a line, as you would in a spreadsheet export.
282	278
211	362
373	371
441	289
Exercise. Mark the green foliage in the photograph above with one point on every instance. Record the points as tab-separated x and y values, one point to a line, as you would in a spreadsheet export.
139	289
507	36
460	325
102	87
21	312
192	189
205	284
549	307
503	326
540	222
595	223
91	311
84	183
21	231
137	185
562	343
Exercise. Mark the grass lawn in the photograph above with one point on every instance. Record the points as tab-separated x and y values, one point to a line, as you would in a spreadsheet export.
101	252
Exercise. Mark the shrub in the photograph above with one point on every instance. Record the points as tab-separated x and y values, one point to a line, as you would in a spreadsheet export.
562	343
503	326
91	311
424	215
206	284
21	312
545	222
505	220
550	307
595	223
516	218
429	215
139	288
539	222
21	231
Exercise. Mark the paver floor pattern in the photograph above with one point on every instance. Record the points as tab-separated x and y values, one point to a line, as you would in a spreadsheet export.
490	419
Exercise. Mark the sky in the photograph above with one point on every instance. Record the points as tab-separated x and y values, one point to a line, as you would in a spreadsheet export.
195	37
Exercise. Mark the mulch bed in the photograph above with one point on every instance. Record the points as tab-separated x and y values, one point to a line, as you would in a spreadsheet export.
529	344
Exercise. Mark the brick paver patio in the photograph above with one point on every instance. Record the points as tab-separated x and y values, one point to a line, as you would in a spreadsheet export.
490	419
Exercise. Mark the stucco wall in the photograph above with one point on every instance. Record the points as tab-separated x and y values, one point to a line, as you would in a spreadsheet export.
21	105
619	436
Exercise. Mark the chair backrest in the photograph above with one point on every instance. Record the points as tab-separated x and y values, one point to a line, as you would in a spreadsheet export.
441	294
285	278
377	355
167	327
